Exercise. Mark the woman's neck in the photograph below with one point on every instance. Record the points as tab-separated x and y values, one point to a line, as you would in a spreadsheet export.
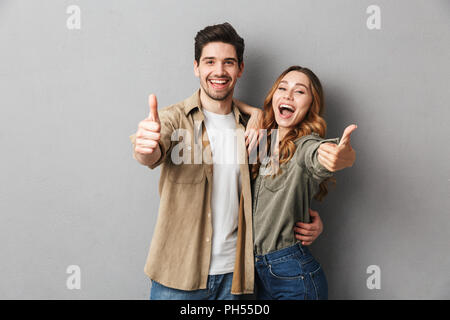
282	131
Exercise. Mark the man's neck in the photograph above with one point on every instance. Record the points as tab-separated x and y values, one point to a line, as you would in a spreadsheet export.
216	106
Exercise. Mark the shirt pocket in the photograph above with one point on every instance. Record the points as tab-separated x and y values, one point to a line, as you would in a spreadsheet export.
274	183
186	174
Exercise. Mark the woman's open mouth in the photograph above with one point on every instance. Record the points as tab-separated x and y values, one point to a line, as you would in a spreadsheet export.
286	110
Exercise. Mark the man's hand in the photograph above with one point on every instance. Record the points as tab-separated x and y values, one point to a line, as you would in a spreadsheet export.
148	133
337	157
307	233
254	124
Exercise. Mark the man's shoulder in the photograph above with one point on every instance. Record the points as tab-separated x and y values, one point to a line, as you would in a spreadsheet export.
177	109
173	108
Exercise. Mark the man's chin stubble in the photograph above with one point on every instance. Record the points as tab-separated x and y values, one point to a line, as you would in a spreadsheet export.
218	98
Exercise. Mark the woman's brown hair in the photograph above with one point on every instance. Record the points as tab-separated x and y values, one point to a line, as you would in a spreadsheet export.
312	122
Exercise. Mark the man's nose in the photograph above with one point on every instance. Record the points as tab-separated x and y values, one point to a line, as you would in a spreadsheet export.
220	70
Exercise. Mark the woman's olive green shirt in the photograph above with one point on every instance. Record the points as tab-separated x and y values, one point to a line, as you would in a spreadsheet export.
282	200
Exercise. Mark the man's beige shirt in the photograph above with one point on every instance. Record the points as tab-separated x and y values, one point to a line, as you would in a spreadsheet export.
180	251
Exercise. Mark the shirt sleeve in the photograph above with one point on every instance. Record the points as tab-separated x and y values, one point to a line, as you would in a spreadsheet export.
307	156
168	118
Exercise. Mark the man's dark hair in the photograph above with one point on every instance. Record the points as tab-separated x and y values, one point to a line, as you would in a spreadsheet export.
219	33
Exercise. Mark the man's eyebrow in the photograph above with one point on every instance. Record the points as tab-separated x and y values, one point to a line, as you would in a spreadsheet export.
213	58
297	84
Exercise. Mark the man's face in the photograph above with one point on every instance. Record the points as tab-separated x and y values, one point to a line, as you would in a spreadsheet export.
218	70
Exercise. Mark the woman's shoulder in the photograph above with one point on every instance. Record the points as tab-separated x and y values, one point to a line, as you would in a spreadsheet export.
312	136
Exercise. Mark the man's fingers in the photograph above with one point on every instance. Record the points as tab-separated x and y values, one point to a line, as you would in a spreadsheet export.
304	231
153	105
345	140
144	143
306	226
303	238
150	135
144	150
150	125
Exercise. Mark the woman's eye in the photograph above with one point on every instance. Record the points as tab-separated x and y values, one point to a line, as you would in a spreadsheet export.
283	89
301	92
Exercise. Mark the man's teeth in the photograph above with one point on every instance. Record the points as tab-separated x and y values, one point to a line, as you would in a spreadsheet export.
219	81
287	107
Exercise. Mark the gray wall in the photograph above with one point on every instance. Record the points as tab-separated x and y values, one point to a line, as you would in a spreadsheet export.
71	194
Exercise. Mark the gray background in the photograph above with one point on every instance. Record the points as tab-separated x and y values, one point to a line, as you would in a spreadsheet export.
71	193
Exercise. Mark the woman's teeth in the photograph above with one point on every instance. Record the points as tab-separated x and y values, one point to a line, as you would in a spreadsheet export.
286	109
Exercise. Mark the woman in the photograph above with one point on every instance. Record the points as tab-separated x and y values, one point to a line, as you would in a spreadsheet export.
283	188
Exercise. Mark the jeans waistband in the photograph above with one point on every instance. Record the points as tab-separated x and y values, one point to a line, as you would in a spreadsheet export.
275	255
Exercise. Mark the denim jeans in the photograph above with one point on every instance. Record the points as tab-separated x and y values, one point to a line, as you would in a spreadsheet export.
218	288
291	273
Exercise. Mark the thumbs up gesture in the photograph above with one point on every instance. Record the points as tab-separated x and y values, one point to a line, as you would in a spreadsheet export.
148	133
337	157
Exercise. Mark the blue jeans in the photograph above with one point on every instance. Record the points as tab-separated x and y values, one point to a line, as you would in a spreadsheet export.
291	273
218	288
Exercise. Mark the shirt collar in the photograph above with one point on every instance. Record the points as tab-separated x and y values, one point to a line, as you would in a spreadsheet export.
193	102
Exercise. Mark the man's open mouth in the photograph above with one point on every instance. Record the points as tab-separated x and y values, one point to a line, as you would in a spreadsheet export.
286	110
219	83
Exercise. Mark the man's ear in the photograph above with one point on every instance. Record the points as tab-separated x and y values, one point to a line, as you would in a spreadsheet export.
196	72
241	69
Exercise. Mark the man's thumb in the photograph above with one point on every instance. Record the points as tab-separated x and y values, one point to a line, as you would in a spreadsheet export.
313	213
153	104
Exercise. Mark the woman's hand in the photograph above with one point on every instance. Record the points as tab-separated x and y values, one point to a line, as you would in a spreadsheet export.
337	157
254	124
307	233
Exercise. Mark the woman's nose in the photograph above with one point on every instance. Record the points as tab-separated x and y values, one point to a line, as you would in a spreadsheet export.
289	95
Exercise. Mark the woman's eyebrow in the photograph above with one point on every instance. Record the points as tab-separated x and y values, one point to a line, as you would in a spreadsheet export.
297	84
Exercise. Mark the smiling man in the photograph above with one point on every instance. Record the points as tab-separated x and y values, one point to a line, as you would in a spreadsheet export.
202	244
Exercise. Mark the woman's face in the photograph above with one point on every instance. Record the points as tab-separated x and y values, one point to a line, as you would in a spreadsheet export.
292	99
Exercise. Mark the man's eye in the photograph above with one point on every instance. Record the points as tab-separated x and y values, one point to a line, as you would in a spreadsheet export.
229	62
209	62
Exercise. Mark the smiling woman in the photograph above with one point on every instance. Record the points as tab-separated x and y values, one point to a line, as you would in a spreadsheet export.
285	268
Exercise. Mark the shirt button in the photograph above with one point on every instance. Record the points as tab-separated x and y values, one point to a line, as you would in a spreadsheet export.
189	148
207	239
209	215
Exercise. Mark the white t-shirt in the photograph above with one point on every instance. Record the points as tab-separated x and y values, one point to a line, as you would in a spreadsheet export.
225	190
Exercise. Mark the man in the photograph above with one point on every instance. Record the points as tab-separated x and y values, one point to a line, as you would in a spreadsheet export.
202	245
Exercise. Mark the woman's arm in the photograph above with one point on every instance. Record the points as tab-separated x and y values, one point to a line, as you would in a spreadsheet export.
255	123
